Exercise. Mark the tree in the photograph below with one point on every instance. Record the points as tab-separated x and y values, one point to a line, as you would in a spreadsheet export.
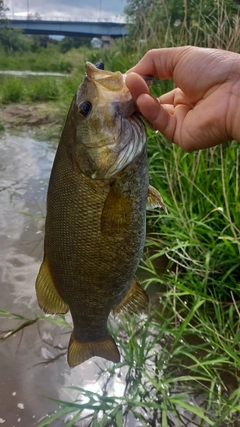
68	43
11	40
34	16
14	41
3	11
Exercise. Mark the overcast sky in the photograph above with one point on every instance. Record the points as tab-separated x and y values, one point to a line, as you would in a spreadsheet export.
74	9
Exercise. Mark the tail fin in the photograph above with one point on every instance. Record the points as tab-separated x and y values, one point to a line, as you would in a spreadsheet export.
78	352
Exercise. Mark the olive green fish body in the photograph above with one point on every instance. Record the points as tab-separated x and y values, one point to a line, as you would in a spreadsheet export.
96	215
93	263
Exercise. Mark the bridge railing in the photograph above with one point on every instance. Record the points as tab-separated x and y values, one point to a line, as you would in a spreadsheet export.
117	19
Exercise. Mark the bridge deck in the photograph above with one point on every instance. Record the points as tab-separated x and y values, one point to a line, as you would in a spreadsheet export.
69	28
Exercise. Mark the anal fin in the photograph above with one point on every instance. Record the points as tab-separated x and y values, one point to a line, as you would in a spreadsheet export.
48	297
78	351
154	199
135	301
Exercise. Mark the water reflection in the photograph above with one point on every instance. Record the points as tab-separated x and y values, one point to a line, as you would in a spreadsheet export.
24	173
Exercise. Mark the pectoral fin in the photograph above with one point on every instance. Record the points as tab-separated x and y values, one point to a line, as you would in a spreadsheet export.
154	199
48	297
135	301
78	352
115	214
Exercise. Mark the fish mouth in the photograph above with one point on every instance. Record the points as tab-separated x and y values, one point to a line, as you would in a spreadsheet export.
111	80
116	149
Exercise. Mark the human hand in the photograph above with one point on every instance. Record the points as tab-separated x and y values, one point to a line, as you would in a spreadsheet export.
204	109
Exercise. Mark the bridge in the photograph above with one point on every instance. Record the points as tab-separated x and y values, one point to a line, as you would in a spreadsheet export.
69	28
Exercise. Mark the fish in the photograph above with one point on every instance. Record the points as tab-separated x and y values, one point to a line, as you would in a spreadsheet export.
95	225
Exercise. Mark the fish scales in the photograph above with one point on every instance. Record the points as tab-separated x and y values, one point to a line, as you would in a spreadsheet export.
108	268
96	215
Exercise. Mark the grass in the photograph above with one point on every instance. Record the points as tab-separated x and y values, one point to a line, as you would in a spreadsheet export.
2	126
37	89
45	60
12	91
201	190
44	90
42	60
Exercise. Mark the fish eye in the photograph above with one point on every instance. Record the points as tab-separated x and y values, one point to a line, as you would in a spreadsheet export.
84	108
99	65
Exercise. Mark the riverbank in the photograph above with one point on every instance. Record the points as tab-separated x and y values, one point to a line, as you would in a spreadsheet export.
22	114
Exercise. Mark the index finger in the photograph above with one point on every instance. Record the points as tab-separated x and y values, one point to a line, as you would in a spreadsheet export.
159	62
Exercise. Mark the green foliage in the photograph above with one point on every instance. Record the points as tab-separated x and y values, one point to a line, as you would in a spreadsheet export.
180	22
12	91
11	40
63	66
39	40
3	10
38	89
113	59
43	90
68	43
201	231
14	41
41	59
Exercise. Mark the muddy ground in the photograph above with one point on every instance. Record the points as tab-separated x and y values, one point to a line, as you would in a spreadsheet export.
19	115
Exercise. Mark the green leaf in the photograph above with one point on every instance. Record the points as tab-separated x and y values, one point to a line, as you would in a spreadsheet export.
192	409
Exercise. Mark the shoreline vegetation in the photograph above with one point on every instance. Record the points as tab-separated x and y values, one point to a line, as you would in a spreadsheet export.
182	359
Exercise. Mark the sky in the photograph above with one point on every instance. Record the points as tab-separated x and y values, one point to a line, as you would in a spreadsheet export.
110	10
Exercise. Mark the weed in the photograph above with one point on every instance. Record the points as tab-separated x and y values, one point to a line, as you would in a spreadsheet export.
45	89
12	91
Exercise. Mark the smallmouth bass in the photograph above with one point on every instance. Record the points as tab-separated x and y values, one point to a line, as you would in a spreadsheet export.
96	215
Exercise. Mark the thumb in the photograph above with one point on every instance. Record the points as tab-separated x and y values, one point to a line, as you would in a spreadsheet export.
156	115
149	106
